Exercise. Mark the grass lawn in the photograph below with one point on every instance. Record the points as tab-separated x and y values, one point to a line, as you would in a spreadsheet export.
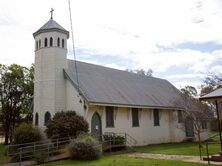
123	161
3	158
185	148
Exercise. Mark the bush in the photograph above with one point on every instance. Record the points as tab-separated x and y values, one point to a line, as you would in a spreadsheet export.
66	124
85	147
40	157
116	142
114	139
26	133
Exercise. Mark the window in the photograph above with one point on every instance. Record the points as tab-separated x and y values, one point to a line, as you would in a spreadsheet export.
204	124
51	42
46	42
36	45
179	116
36	119
58	42
109	117
135	117
156	117
39	43
47	117
63	43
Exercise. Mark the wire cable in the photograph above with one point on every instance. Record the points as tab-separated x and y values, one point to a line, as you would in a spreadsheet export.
73	45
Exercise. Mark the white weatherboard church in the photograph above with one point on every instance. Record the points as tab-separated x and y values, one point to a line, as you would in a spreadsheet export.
110	100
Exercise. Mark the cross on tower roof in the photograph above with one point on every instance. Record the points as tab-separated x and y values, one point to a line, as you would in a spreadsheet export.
52	10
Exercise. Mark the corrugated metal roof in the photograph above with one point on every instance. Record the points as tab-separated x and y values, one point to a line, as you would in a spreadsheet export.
215	94
105	85
51	25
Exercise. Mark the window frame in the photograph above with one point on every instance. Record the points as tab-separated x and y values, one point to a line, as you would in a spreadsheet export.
135	117
156	117
40	43
109	116
179	116
204	124
50	41
36	119
63	43
47	118
58	42
45	42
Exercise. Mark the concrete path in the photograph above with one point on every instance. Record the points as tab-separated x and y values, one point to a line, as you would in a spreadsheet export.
193	159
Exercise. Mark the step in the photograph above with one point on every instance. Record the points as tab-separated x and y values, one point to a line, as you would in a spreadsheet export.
216	158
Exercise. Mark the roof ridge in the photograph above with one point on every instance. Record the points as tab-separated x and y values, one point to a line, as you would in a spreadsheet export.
119	70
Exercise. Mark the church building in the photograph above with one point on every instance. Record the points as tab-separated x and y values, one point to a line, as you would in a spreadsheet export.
111	100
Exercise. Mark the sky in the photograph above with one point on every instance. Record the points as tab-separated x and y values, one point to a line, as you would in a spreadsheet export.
180	40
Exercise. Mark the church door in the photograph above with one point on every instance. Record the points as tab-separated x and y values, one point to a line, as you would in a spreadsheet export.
96	125
189	127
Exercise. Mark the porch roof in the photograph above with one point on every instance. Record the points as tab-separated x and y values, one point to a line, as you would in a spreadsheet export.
215	95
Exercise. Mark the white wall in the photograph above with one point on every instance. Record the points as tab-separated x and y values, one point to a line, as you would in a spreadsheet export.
146	133
49	83
74	101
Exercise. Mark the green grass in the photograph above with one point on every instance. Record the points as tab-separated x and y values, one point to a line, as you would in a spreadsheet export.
123	161
3	158
185	148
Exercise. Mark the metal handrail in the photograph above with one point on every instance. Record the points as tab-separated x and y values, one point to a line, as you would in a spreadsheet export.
17	146
207	150
29	150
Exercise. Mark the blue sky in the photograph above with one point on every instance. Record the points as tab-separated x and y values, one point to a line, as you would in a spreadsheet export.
180	40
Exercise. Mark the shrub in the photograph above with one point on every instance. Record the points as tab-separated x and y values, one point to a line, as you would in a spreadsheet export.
40	157
85	147
66	124
114	139
116	142
26	133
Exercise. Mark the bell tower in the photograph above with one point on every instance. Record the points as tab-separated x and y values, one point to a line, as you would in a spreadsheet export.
50	60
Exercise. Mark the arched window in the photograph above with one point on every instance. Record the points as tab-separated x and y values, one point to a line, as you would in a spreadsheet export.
47	117
51	42
58	42
39	43
36	45
63	43
36	119
46	42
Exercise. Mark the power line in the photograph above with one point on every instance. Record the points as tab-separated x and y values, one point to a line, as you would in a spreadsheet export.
73	45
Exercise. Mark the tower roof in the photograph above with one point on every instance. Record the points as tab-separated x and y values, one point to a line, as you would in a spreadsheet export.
51	25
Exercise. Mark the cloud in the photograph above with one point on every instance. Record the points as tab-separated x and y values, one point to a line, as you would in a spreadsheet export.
166	36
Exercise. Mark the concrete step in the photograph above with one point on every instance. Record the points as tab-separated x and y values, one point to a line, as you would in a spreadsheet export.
216	158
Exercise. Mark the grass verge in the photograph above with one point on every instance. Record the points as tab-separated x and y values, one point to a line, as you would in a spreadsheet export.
185	148
122	161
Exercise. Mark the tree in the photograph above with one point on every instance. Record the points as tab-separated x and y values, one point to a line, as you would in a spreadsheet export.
189	91
66	124
26	133
148	73
211	82
16	91
193	109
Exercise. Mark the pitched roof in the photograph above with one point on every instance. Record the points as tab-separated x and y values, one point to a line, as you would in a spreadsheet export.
213	95
104	85
51	25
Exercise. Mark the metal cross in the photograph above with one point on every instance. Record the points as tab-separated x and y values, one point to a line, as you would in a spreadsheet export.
52	10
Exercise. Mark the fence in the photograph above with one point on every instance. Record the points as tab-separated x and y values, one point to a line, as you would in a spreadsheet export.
28	151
